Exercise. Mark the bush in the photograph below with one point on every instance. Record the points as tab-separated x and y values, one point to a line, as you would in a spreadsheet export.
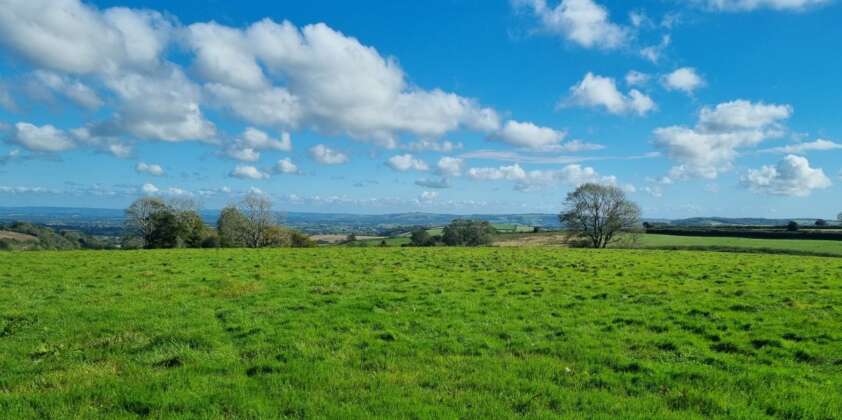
468	233
792	226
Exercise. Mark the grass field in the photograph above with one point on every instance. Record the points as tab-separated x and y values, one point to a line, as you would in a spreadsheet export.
724	243
419	333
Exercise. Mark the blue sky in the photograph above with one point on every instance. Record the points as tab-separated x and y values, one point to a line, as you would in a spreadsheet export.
707	107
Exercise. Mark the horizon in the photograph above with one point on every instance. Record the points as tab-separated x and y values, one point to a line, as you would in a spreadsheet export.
450	107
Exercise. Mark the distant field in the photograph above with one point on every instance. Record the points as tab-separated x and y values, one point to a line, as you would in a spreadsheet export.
419	333
15	236
816	246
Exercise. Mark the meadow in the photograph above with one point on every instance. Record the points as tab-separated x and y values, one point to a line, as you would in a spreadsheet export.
419	333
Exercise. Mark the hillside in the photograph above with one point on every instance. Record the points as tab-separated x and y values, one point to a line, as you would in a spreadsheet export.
431	333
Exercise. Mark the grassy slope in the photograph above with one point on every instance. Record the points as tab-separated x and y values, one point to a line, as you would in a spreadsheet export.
360	333
829	247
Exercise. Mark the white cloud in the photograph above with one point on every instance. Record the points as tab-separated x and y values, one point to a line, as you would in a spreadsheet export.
792	176
148	168
332	83
111	145
285	166
583	22
148	188
407	162
636	78
450	166
526	134
713	144
428	196
800	148
685	79
74	90
653	53
597	91
327	156
248	172
426	145
529	180
749	5
247	147
69	36
46	138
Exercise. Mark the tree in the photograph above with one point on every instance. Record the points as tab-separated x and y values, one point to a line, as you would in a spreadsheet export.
599	213
191	228
420	237
468	233
231	228
257	210
792	226
821	222
166	230
139	216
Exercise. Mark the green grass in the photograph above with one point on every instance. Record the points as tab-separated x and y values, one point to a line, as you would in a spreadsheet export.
735	244
419	333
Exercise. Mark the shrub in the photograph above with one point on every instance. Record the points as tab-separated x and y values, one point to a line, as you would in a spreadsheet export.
468	233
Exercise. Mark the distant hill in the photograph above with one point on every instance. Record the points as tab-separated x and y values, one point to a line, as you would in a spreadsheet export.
109	222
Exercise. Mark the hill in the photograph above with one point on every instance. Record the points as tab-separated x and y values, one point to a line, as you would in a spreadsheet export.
431	333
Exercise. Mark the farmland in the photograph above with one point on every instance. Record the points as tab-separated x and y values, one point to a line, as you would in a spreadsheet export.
403	332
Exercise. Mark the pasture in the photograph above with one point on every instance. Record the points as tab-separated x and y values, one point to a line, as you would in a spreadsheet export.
419	333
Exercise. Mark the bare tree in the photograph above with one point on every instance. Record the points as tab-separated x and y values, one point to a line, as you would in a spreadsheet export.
139	216
599	213
257	210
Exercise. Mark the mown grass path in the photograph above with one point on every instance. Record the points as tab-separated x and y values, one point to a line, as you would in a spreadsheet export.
426	333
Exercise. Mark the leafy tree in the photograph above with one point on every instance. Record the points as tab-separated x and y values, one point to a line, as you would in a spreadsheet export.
300	240
599	213
821	222
231	228
191	228
166	230
420	237
792	226
468	233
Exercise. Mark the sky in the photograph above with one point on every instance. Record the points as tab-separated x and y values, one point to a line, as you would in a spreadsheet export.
694	108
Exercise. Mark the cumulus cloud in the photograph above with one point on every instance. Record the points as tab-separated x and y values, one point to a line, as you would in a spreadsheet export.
149	189
749	5
247	147
685	79
801	148
792	176
107	144
149	168
601	92
524	180
528	135
248	172
407	162
286	166
73	90
45	139
333	83
713	144
583	22
427	196
450	166
327	156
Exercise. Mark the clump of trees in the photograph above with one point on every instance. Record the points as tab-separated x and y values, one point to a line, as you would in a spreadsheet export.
792	226
154	223
35	237
252	224
599	214
457	233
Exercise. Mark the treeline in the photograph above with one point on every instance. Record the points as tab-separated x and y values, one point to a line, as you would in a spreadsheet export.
458	233
35	237
748	233
154	223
